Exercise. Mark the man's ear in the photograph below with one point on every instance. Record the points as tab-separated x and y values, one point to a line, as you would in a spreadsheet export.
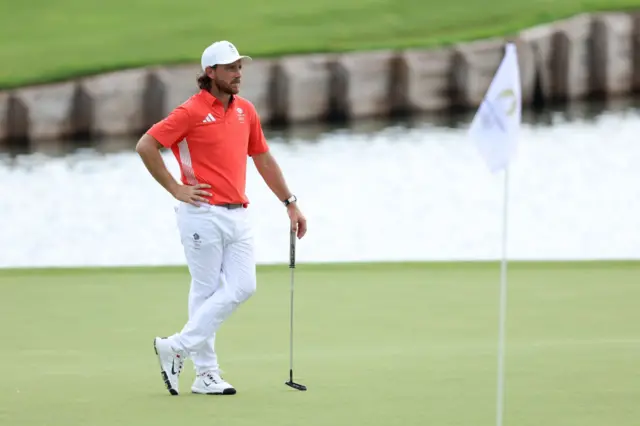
211	72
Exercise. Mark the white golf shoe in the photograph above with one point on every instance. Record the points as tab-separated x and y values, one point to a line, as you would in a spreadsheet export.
171	363
210	383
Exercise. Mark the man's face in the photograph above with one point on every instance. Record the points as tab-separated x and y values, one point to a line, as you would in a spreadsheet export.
227	77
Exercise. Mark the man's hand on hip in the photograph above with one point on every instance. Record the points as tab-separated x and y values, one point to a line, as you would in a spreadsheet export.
191	194
298	221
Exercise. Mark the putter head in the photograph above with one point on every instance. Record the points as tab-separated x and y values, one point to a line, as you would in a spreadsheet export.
296	385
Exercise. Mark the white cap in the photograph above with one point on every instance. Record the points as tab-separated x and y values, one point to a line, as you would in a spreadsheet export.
220	53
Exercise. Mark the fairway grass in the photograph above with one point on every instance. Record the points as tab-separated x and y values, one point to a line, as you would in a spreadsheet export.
44	41
411	344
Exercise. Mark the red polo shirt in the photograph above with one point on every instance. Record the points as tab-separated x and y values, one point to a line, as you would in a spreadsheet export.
212	145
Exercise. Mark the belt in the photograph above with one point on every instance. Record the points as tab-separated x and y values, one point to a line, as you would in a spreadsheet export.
230	205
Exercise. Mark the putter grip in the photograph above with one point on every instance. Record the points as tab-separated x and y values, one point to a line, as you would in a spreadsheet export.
292	249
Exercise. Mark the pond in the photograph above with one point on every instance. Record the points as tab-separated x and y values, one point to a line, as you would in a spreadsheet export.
372	191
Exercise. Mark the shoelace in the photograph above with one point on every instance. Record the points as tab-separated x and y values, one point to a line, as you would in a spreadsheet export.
214	377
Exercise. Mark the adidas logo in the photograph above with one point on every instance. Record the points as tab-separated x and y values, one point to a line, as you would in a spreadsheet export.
209	119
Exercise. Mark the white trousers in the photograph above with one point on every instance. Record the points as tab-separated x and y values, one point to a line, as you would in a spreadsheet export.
219	250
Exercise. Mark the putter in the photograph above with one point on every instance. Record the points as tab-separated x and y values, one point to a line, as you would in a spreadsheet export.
292	266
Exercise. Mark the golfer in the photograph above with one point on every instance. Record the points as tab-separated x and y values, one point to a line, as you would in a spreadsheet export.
211	135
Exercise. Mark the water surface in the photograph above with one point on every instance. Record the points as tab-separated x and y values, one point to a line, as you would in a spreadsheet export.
415	190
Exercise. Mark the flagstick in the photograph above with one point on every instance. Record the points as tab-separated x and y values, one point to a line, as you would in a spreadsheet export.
495	129
503	304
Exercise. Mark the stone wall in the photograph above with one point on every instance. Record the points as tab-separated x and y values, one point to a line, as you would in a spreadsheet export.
588	55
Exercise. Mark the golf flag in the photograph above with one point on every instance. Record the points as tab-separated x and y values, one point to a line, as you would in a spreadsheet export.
496	125
495	130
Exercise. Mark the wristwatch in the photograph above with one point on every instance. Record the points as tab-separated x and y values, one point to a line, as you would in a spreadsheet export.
290	200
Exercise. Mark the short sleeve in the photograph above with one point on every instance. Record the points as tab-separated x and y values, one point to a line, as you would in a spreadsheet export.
173	128
257	141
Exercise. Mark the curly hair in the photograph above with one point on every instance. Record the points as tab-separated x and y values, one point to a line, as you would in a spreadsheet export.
204	81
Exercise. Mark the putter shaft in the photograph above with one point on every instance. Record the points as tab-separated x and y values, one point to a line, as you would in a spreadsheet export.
292	266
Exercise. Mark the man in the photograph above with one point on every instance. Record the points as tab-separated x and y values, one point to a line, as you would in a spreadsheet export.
211	135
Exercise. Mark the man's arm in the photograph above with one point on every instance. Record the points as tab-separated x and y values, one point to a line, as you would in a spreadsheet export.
149	150
272	175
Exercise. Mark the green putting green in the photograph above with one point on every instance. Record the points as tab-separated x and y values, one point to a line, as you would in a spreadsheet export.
43	41
378	344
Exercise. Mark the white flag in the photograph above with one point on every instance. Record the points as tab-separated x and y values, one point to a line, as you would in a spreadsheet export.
496	125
